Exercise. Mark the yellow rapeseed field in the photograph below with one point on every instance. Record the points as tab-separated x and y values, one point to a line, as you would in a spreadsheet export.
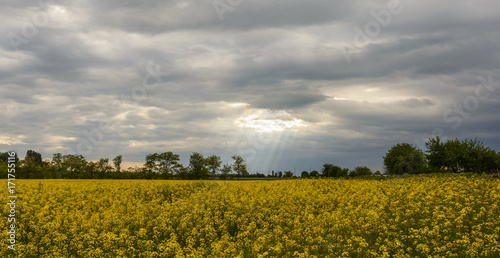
428	216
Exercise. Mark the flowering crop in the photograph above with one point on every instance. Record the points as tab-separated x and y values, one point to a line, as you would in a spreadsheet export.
431	216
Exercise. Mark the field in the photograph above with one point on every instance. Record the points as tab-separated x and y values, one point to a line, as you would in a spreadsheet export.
431	216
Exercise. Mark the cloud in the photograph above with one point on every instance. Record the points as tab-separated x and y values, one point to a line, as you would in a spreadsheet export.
95	62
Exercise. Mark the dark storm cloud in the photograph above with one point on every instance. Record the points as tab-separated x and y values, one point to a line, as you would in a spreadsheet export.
265	62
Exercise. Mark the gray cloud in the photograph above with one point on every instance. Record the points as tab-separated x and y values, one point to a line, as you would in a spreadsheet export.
269	66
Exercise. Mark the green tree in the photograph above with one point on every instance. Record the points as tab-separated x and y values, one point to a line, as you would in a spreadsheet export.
169	164
90	170
197	166
30	168
4	156
330	170
404	158
5	165
453	155
73	165
498	162
361	171
3	169
226	171
239	166
37	157
165	164
213	163
288	174
117	161
182	172
476	157
466	155
137	172
103	168
152	163
314	174
344	172
327	170
304	174
33	166
57	165
488	162
436	156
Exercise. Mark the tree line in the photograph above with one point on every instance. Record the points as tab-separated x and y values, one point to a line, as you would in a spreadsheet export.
330	170
468	155
157	166
453	156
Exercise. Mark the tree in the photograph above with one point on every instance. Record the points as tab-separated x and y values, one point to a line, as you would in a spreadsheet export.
197	166
476	157
152	163
73	165
165	164
327	170
455	155
436	156
343	172
5	163
117	161
28	168
498	162
169	164
280	174
4	156
103	167
304	174
361	171
31	166
330	170
57	165
135	172
227	169
182	172
239	166
314	174
288	174
404	158
3	169
37	157
488	161
90	169
213	163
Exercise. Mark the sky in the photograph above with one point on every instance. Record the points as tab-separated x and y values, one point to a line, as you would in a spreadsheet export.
287	85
